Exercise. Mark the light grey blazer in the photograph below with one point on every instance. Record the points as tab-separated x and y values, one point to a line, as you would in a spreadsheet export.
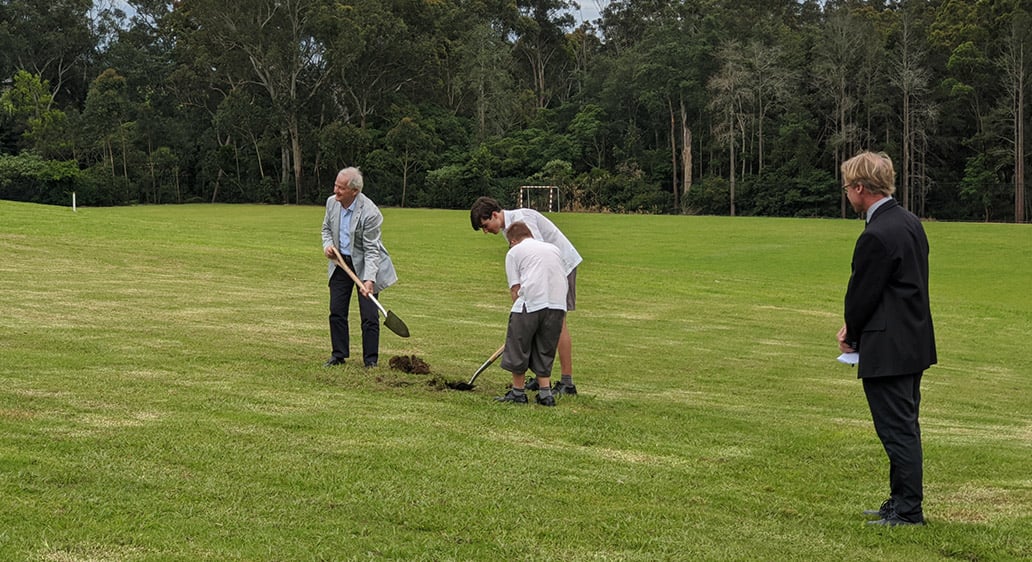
371	260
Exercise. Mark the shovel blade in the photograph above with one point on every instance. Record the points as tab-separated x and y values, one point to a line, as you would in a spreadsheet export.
395	324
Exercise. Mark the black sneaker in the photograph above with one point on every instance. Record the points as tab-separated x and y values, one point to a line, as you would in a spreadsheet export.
511	397
532	384
546	401
564	389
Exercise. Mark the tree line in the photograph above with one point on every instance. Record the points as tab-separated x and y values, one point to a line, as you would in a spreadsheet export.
740	107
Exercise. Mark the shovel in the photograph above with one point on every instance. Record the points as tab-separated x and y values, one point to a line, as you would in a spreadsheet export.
469	385
391	320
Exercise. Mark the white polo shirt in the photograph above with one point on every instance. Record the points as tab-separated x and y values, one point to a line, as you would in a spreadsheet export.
545	230
537	267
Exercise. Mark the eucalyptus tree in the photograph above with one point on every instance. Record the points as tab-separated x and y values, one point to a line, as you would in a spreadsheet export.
963	29
244	116
770	85
278	40
912	78
729	95
1015	63
55	40
144	49
472	64
659	62
28	102
411	144
107	120
625	22
970	81
485	65
588	129
586	50
672	78
541	43
981	184
199	86
837	61
377	52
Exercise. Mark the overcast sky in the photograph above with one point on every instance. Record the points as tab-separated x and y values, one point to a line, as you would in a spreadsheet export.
589	9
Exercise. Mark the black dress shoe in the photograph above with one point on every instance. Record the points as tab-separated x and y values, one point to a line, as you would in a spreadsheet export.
333	361
894	520
882	512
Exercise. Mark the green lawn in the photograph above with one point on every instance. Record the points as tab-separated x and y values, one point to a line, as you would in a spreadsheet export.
162	395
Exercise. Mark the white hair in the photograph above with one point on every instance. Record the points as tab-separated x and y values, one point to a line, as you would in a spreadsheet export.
352	177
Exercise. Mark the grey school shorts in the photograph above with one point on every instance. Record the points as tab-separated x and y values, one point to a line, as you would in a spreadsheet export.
531	341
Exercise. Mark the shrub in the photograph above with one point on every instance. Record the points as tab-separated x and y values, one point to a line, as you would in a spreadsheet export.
27	177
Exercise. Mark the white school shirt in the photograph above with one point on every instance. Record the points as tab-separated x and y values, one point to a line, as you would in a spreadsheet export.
545	230
538	269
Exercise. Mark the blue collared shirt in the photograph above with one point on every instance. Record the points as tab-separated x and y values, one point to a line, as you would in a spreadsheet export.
874	207
345	229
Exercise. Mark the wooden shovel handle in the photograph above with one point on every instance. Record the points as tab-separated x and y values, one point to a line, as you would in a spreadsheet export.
339	259
487	364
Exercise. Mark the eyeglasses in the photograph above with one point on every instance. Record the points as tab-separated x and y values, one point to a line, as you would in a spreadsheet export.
845	188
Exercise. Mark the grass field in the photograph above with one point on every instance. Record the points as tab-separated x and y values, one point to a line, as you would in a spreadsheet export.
162	395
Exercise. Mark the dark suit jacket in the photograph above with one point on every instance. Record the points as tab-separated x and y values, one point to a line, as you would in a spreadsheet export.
886	306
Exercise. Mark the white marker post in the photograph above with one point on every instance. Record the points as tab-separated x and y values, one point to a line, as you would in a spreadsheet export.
73	203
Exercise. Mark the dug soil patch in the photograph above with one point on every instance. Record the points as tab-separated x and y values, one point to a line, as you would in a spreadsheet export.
410	364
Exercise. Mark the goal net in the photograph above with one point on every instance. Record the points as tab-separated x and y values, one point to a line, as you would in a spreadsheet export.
539	197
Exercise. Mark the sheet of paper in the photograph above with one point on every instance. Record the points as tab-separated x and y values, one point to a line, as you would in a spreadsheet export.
849	358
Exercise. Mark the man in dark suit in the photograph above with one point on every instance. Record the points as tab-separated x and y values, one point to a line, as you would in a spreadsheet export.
889	322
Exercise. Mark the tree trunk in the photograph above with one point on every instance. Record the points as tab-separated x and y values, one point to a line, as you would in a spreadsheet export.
905	168
179	192
673	154
733	164
284	164
843	200
258	156
153	179
1019	144
125	164
295	143
111	155
686	153
404	179
215	190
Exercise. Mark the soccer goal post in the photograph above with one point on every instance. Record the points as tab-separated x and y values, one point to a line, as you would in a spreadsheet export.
539	197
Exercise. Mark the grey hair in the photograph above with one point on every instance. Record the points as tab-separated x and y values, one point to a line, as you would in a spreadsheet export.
352	177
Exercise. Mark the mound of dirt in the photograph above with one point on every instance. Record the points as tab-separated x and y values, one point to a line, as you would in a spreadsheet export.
410	364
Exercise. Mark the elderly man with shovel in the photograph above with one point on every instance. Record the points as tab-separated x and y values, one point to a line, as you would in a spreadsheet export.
351	241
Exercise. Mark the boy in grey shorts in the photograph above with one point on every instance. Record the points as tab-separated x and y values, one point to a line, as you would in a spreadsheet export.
537	285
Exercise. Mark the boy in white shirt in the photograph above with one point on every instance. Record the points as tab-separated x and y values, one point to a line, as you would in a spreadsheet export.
537	285
487	215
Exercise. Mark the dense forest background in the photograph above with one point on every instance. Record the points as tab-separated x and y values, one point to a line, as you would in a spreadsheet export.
741	107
